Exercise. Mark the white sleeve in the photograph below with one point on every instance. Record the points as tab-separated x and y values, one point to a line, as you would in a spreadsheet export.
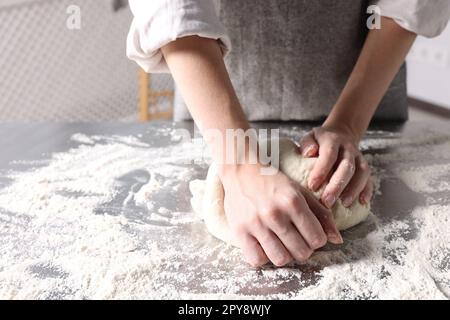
425	17
158	22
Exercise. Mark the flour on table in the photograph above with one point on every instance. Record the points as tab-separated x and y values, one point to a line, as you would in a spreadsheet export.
110	219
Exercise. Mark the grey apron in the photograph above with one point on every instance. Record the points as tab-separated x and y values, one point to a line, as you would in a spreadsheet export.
292	58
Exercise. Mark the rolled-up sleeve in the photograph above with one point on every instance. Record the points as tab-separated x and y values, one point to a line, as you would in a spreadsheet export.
158	22
427	18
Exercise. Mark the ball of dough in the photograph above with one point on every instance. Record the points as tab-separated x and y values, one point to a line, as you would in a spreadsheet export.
208	196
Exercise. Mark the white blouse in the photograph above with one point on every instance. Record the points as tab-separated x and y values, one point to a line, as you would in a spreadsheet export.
158	22
427	18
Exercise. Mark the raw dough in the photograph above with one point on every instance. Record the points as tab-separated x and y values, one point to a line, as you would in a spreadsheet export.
208	196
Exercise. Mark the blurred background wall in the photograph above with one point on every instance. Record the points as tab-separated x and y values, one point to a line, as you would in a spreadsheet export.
50	72
429	70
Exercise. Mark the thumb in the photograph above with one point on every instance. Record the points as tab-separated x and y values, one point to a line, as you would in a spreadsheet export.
308	146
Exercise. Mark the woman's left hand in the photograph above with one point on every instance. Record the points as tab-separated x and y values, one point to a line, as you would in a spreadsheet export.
340	166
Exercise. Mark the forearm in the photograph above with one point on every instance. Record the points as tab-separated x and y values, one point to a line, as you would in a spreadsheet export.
383	54
197	66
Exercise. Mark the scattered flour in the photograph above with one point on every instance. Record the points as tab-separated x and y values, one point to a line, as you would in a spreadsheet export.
110	219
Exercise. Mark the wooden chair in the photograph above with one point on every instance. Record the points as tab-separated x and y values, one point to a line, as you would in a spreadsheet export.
149	98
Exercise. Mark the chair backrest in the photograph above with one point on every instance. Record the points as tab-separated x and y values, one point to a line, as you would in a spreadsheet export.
154	103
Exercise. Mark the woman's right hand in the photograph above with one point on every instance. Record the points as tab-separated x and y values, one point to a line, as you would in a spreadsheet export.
273	218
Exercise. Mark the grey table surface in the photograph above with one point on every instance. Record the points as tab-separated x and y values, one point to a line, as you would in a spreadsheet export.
20	141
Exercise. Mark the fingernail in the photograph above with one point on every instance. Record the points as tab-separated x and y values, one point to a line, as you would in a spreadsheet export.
305	152
329	200
335	238
308	152
347	201
313	185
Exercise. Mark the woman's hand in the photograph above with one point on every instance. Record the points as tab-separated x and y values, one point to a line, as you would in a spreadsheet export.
274	219
340	165
336	142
